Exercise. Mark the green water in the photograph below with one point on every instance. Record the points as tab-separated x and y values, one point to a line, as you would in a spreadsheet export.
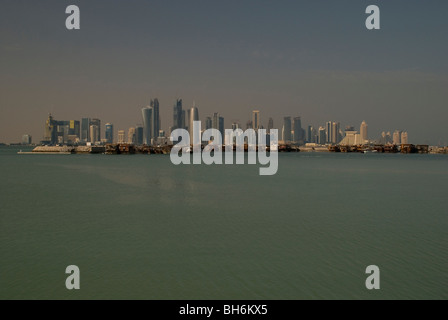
139	227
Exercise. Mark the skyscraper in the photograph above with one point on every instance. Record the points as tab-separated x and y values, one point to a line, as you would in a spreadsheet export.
183	120
147	113
96	122
50	135
270	124
322	135
404	137
310	134
328	131
193	116
208	123
74	128
26	139
109	133
397	137
139	135
177	115
221	126
297	130
215	121
85	129
256	120
363	132
156	118
335	127
132	139
120	136
94	133
286	130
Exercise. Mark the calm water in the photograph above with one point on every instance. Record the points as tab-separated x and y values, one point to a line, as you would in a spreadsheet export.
139	227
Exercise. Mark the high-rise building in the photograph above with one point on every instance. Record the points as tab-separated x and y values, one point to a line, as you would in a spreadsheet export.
193	116
85	129
177	115
256	120
208	123
397	137
96	122
132	138
270	124
184	120
221	126
156	118
26	139
363	132
120	136
310	134
147	113
335	132
94	133
215	121
286	130
297	130
50	135
249	124
235	126
322	135
139	135
328	131
109	133
74	128
404	137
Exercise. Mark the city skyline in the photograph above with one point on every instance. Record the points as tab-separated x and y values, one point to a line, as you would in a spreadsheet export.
306	62
291	131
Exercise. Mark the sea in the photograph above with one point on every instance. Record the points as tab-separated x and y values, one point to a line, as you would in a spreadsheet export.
139	227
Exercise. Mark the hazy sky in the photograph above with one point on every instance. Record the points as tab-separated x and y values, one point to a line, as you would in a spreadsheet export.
313	59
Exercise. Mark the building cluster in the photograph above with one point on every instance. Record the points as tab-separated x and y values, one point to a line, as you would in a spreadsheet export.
88	131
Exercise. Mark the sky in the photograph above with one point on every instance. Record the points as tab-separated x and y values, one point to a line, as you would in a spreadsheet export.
313	59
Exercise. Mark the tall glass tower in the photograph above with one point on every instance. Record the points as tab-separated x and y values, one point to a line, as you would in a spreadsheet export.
297	129
194	116
109	133
286	130
147	113
156	118
177	115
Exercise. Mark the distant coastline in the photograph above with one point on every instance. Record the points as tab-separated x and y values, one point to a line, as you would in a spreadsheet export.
166	149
